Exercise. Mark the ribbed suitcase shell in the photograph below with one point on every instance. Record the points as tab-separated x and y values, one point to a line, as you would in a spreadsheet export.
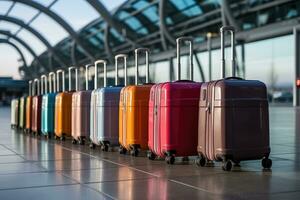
233	120
22	115
14	112
105	115
133	121
81	114
28	113
48	111
36	114
173	118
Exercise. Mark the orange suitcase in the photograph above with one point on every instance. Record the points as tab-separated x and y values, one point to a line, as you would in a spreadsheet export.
63	106
28	109
134	102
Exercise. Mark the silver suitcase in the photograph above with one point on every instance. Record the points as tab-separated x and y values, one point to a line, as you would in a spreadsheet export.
104	119
14	113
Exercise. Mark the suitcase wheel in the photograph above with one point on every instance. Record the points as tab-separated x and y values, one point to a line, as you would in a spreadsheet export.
104	147
134	152
62	138
201	161
170	160
92	146
74	141
266	163
122	150
151	155
227	165
81	141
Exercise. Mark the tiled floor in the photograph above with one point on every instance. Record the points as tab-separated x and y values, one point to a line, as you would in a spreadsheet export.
32	168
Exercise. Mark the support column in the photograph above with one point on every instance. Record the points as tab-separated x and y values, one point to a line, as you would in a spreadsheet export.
296	93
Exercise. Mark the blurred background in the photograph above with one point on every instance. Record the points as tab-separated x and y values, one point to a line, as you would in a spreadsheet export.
40	36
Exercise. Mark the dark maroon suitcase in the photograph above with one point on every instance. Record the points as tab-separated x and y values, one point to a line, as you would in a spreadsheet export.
233	118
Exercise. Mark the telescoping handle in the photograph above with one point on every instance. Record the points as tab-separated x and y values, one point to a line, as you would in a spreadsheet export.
44	84
30	88
52	82
136	53
62	72
223	30
178	44
117	57
87	73
36	87
70	69
104	63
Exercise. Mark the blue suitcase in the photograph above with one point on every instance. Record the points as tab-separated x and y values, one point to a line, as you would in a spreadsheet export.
48	105
104	118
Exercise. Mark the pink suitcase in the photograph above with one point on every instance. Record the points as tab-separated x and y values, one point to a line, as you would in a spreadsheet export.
81	112
173	115
36	108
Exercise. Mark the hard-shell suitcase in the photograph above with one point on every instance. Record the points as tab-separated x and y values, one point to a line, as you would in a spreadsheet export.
81	101
48	107
173	115
134	102
233	118
29	109
14	113
36	108
22	113
63	107
105	109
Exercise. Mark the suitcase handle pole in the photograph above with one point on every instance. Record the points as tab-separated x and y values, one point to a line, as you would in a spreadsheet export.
232	32
104	73
124	56
52	80
44	84
70	78
190	42
62	72
36	87
87	73
30	88
136	53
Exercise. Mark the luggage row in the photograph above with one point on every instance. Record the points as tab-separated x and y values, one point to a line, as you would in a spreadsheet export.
223	120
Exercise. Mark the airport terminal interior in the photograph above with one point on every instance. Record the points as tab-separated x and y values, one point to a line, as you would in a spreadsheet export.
149	99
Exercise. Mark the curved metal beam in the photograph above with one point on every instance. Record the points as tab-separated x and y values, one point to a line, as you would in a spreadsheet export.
162	23
232	21
59	20
110	19
23	43
36	34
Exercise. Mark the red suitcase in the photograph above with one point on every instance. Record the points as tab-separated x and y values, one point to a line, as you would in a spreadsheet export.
173	115
233	118
36	108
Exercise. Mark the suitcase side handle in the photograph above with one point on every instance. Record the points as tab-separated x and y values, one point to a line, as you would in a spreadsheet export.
104	63
44	84
70	69
62	72
178	45
136	56
52	80
36	87
223	30
117	57
87	74
30	88
233	77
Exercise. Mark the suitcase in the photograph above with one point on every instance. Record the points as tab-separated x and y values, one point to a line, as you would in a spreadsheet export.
105	109
14	113
133	127
22	109
63	107
28	109
173	114
48	105
36	108
233	118
81	101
